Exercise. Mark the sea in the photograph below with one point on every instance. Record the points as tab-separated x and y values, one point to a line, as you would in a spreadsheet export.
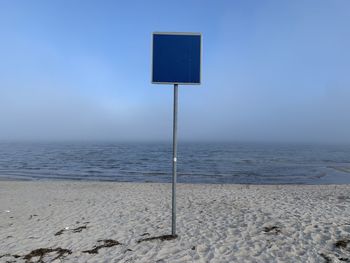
212	163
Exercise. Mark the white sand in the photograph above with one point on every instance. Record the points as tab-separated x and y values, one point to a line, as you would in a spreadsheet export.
216	223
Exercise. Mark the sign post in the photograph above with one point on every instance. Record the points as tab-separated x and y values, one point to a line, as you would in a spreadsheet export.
176	59
173	221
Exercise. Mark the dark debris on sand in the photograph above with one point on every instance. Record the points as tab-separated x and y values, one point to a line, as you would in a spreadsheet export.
31	216
60	232
272	229
326	258
343	243
340	244
161	238
74	230
106	243
78	229
41	252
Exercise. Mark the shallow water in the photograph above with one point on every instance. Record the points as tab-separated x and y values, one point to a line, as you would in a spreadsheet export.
197	162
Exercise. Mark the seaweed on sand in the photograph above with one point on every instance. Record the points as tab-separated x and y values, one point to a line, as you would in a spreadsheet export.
41	252
343	243
105	243
272	229
74	230
161	238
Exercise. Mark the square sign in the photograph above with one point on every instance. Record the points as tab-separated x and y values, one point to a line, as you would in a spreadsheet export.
176	58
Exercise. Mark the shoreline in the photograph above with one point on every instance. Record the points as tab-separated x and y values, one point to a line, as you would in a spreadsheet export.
129	221
59	180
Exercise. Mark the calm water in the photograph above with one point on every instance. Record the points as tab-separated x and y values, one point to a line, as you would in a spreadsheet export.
197	162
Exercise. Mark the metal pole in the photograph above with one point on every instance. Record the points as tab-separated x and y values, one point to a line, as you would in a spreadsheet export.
173	221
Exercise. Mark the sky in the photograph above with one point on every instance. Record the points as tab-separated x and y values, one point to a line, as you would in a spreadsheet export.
81	70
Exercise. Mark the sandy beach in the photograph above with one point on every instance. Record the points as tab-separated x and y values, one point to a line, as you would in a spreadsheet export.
120	222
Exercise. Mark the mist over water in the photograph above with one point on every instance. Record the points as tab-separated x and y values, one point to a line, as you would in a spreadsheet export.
197	162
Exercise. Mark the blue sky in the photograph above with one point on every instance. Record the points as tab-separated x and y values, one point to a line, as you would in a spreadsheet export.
80	70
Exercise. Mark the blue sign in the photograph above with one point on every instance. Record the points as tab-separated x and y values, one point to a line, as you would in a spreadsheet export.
176	58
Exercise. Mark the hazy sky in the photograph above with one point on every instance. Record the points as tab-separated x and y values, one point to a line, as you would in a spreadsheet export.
80	70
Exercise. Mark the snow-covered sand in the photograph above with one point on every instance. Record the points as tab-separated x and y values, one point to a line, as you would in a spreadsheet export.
216	223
